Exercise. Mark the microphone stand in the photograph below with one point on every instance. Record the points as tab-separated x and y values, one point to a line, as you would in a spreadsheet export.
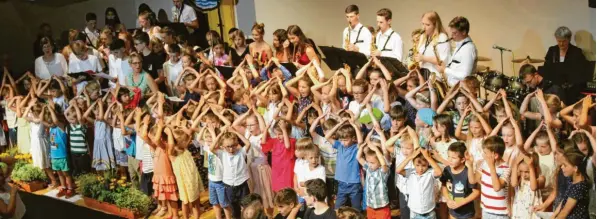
501	57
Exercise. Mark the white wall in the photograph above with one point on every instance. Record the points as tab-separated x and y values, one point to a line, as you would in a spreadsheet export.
245	15
525	26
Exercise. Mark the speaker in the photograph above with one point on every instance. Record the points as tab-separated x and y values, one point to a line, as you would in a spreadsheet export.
591	3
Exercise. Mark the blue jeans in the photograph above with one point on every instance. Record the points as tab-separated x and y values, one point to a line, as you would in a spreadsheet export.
430	215
354	191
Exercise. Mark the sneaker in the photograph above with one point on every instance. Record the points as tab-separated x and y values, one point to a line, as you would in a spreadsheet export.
61	193
69	193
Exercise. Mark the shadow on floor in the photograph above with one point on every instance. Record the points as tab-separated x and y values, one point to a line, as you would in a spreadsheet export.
39	206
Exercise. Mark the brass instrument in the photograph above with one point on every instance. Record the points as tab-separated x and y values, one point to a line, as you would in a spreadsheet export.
347	38
444	80
373	49
413	63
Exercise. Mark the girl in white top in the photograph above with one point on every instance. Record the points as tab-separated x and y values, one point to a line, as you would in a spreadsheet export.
434	35
50	63
251	123
527	180
478	129
443	136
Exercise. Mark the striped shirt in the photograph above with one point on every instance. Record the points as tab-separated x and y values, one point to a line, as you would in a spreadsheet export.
491	201
78	144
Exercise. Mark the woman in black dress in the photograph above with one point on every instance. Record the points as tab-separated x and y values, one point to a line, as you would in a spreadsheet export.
240	48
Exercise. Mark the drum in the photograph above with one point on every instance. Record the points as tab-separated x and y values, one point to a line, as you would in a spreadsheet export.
494	81
516	89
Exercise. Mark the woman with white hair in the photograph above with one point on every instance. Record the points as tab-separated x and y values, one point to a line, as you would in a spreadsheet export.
566	61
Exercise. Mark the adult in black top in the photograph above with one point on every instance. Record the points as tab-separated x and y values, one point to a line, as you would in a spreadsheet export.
152	62
566	65
534	80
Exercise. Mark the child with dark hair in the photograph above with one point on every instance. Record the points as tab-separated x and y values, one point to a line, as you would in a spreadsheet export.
316	195
420	183
458	185
286	202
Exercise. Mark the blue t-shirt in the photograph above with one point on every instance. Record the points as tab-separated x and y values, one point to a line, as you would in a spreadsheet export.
347	166
58	140
129	143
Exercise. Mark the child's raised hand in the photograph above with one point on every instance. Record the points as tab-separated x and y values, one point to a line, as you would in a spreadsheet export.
468	160
539	93
415	154
489	158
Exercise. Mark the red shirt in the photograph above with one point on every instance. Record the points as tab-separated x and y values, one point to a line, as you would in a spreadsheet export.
282	162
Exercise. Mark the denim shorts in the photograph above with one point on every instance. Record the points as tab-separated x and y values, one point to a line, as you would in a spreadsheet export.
217	194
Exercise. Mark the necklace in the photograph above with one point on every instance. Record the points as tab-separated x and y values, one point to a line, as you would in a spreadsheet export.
140	80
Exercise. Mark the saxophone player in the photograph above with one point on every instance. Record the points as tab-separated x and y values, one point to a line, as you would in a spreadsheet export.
432	48
356	37
464	57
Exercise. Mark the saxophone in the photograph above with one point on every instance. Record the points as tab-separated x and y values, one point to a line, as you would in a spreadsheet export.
347	38
413	64
444	81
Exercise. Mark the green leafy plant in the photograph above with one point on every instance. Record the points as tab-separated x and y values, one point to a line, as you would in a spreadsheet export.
26	172
133	199
108	188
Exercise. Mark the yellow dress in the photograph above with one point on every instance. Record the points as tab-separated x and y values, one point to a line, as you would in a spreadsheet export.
187	177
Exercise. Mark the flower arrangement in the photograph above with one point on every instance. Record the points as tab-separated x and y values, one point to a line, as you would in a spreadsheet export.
108	188
26	172
24	157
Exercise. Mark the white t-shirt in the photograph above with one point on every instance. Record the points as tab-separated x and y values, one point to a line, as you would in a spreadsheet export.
45	70
19	205
11	116
119	68
214	165
172	70
307	174
235	168
255	154
186	15
75	65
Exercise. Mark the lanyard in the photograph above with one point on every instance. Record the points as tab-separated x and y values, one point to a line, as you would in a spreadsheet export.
427	42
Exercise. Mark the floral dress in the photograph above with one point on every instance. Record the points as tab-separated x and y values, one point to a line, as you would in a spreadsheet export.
524	200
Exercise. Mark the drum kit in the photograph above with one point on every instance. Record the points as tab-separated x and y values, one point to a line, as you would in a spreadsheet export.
493	81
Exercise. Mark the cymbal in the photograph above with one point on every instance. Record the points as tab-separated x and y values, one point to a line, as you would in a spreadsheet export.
528	60
483	59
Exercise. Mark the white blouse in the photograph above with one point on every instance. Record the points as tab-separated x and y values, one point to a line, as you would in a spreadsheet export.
426	48
45	70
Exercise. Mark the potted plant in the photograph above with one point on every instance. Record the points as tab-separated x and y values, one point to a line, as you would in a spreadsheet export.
112	195
28	177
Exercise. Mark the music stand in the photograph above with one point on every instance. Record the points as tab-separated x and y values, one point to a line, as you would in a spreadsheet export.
393	65
290	67
337	57
225	71
178	28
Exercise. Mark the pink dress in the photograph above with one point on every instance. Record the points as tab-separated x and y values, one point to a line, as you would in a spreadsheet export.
164	181
219	61
282	162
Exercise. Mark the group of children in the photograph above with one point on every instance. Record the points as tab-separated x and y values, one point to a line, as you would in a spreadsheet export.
308	144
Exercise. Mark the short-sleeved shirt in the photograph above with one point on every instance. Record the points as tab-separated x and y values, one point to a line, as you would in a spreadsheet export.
580	192
328	214
456	118
214	165
78	144
491	201
58	140
377	187
153	63
420	191
459	188
282	162
347	167
328	153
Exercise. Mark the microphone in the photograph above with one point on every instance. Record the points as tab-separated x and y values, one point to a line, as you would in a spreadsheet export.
501	48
